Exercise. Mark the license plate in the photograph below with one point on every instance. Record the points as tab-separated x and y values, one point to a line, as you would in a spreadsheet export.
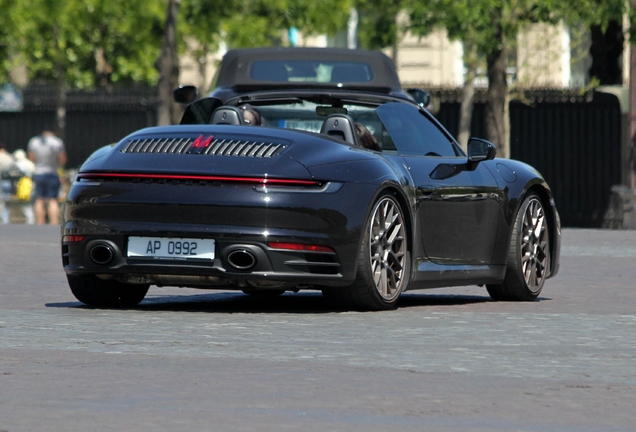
170	248
307	125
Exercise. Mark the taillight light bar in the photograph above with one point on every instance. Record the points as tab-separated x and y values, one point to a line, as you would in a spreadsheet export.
252	180
300	247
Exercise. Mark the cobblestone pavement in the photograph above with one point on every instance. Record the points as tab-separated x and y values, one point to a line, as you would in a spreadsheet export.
446	360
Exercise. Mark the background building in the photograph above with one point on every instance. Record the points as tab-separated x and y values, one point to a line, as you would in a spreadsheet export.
553	56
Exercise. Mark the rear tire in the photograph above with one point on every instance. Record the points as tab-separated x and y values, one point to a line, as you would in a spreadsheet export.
529	255
97	292
383	262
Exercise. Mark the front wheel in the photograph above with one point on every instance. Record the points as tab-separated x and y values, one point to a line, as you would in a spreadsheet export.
383	261
97	292
529	255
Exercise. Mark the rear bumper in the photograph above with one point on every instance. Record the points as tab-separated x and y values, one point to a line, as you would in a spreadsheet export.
236	217
320	268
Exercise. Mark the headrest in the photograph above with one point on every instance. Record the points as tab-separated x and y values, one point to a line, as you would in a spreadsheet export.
340	126
227	115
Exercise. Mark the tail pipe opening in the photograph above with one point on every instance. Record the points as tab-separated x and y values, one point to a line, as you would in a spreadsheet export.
241	259
102	254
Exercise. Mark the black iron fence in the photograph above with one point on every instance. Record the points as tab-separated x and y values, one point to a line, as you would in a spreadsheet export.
93	118
573	140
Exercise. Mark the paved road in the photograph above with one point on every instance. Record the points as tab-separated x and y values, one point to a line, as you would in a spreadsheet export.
446	360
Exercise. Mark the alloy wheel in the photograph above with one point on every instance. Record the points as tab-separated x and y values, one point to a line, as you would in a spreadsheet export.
387	248
534	245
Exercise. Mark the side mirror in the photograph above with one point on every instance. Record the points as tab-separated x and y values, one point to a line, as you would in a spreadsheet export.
421	97
479	150
185	94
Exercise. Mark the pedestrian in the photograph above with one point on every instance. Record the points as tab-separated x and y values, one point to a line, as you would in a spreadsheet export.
7	165
47	152
6	160
24	185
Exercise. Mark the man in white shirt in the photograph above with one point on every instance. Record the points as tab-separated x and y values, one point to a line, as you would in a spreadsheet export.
47	152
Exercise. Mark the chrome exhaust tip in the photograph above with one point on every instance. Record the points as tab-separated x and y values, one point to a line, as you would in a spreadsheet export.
241	259
101	254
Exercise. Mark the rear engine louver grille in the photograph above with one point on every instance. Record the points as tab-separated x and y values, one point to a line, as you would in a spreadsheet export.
217	147
158	145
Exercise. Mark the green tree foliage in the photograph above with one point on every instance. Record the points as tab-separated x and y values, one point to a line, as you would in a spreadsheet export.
591	12
98	42
129	33
493	25
75	37
81	44
462	19
264	22
378	22
47	39
7	40
605	22
201	20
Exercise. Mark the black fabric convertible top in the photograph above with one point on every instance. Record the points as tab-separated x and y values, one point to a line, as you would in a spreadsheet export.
372	70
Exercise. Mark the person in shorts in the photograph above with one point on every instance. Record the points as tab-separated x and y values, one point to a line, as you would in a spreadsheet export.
47	152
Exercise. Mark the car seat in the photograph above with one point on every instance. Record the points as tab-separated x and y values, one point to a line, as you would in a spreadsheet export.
340	126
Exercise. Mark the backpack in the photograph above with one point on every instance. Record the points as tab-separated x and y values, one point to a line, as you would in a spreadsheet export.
24	188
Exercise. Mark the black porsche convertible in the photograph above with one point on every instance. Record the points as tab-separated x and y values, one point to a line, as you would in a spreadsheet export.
306	173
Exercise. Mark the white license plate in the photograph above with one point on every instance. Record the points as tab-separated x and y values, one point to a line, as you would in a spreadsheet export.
307	125
170	248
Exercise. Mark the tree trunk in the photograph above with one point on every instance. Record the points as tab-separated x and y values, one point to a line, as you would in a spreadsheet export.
168	66
468	94
203	69
60	100
352	29
632	116
60	86
496	99
396	39
606	51
103	69
395	49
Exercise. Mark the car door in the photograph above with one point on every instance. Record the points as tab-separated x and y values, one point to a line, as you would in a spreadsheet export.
458	210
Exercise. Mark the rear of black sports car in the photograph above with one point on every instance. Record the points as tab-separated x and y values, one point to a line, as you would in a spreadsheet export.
216	206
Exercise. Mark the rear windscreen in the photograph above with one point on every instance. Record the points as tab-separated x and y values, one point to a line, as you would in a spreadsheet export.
310	71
